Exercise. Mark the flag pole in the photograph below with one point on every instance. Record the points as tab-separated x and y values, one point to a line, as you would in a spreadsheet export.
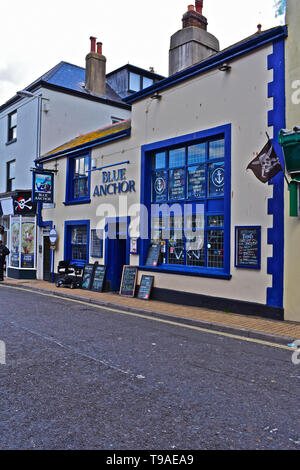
283	171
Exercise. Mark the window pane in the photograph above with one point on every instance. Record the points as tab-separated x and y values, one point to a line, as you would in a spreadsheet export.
216	179
215	241
79	235
216	221
196	153
12	170
196	182
97	243
79	252
217	149
159	186
176	248
195	252
159	161
177	158
147	82
80	187
177	184
134	81
13	119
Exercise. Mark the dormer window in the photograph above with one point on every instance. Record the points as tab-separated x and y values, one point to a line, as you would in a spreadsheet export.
138	82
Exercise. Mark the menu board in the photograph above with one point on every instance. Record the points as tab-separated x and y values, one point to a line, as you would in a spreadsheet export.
177	184
145	287
153	255
87	276
196	185
248	247
128	282
98	280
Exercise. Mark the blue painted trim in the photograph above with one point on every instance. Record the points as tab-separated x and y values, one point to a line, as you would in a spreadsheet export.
67	247
70	201
82	147
146	169
276	118
250	227
233	52
186	271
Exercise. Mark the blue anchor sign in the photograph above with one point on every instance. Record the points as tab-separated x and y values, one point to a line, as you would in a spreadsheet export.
218	177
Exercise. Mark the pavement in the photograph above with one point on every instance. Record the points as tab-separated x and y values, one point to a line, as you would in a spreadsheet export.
281	332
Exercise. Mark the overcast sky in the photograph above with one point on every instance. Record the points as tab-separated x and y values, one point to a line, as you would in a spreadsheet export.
36	35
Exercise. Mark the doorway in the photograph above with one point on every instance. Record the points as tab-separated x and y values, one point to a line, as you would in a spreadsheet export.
46	259
116	252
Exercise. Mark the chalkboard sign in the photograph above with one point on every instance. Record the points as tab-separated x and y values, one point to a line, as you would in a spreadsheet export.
153	256
128	281
145	287
87	276
98	280
248	247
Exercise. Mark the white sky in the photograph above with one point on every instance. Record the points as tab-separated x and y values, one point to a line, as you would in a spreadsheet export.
35	35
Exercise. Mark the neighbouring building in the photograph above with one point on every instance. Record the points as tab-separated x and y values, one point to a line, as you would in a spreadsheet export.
174	176
66	101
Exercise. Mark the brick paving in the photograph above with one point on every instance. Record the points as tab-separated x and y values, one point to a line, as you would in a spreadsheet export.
250	323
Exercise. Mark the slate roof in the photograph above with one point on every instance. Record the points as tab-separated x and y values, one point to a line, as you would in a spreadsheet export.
69	77
95	137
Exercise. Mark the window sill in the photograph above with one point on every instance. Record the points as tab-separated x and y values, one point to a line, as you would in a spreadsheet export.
11	142
186	271
76	202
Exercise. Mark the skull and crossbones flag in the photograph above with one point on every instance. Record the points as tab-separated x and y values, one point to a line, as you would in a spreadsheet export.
266	165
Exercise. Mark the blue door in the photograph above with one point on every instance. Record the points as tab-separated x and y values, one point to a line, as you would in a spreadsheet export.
116	256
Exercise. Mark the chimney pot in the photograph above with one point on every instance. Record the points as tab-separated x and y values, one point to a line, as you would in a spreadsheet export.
259	27
191	7
93	43
199	6
99	48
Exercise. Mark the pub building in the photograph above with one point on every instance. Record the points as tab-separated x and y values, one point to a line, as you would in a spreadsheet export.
18	228
168	190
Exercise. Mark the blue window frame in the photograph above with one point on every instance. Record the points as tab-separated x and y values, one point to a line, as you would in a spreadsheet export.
77	241
191	173
78	179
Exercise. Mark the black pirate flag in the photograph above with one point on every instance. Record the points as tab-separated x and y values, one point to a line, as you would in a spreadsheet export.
266	165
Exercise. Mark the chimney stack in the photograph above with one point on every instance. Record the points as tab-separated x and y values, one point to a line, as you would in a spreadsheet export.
192	43
95	71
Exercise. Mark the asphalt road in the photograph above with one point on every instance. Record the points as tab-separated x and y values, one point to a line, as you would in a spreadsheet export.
82	377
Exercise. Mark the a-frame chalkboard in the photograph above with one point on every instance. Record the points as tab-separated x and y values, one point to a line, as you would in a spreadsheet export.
128	282
145	287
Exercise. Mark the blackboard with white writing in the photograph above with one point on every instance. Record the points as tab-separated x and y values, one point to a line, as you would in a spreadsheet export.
153	256
87	277
128	282
145	287
98	280
248	247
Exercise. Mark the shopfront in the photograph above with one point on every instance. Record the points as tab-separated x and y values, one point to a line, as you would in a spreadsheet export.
19	218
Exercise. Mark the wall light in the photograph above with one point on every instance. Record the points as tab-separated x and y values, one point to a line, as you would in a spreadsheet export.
225	67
